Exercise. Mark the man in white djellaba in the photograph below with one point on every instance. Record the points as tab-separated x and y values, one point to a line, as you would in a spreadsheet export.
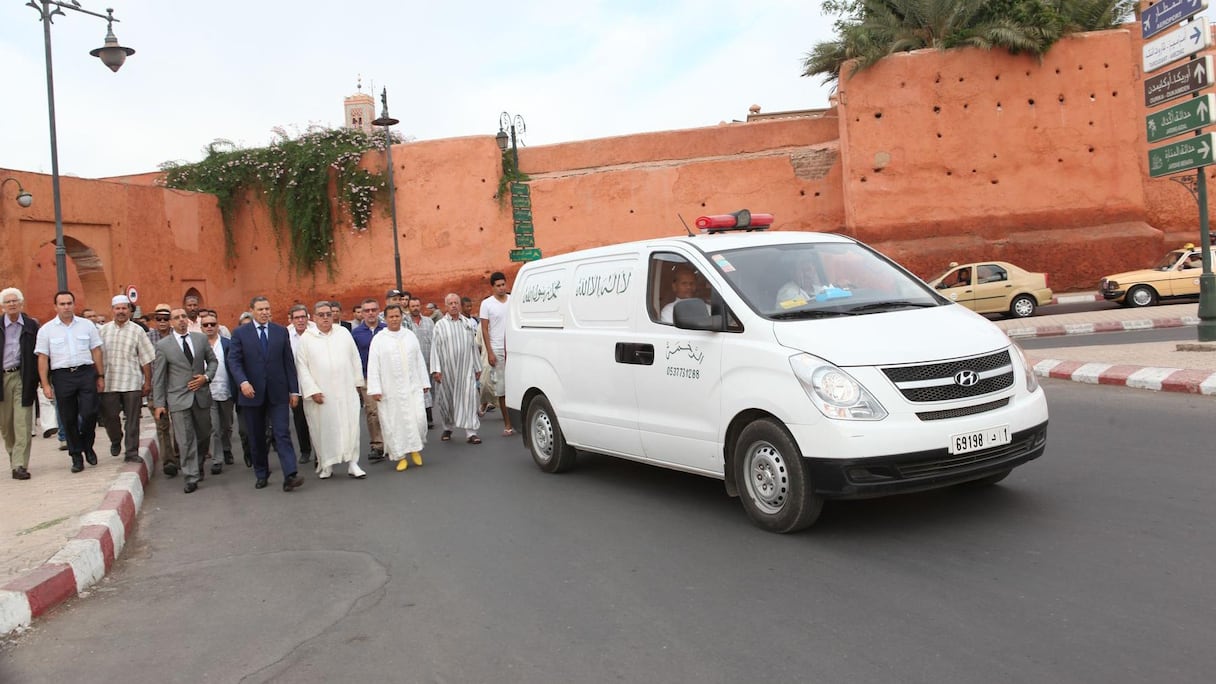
330	371
455	369
396	378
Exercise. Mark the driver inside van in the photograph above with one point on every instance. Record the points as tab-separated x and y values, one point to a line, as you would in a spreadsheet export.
684	285
803	288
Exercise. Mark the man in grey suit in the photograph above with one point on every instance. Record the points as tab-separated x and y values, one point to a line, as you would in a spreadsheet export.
181	373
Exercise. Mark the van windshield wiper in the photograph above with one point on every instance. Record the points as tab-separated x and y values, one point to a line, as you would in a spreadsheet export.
809	313
891	305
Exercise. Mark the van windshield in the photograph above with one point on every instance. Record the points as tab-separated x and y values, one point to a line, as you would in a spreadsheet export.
820	280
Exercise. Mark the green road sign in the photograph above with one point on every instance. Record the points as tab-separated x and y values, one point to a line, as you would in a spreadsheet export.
523	215
521	201
525	254
523	228
1191	153
525	240
519	189
1180	118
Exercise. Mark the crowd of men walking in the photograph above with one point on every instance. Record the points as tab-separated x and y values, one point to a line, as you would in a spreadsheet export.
404	370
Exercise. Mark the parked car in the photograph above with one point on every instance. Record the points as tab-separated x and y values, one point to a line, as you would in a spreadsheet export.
1175	275
994	287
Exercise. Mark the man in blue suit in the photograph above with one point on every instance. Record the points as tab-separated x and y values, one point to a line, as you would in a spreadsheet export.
264	370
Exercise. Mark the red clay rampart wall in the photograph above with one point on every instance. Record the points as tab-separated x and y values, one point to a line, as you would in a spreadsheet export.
931	157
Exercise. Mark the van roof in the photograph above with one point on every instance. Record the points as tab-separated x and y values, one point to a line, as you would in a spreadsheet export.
707	243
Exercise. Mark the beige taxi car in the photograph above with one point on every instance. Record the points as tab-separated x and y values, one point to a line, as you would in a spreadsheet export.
994	287
1175	275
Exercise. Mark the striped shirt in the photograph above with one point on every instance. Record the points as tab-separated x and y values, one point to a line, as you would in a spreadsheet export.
127	351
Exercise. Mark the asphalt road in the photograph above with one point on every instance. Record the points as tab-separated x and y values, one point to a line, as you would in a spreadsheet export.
1092	564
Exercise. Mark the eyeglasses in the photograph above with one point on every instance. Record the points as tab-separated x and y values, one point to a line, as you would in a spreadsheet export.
323	313
162	318
209	325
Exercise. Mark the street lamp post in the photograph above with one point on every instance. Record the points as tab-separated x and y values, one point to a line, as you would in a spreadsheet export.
517	127
385	121
24	198
1198	187
112	55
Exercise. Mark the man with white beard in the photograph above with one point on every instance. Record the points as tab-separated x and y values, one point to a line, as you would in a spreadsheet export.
455	368
396	378
330	373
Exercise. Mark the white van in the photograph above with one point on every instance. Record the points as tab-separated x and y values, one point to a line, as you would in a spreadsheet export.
794	366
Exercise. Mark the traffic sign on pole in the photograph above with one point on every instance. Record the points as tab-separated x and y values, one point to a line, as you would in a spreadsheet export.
1183	79
1180	118
1159	17
1183	41
1191	153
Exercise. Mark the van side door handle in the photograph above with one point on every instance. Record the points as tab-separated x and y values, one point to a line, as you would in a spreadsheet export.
638	353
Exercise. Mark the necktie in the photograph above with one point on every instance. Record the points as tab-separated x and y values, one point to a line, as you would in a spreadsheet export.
186	350
262	337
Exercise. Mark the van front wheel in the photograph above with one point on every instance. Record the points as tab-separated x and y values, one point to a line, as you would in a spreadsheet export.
775	485
545	439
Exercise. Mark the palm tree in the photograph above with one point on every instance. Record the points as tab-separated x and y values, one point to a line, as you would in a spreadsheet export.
873	29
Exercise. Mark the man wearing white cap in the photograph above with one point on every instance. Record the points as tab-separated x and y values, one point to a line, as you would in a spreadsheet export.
128	360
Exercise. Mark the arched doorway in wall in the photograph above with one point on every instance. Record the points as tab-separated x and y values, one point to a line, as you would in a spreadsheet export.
87	279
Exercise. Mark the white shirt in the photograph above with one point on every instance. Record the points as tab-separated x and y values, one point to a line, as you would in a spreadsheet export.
68	345
294	336
496	312
219	384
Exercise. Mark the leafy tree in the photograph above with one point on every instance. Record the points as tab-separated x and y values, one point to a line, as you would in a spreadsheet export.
868	30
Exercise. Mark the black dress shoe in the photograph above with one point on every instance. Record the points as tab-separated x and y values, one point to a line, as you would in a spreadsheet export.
91	457
216	468
48	433
248	460
77	463
260	484
190	487
291	482
20	473
171	470
115	448
304	457
228	458
133	459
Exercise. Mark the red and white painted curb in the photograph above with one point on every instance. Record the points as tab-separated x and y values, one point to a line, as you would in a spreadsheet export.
1137	377
1100	327
88	557
1079	298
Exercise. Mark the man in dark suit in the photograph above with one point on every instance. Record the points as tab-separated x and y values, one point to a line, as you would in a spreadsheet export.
181	373
18	333
338	315
265	371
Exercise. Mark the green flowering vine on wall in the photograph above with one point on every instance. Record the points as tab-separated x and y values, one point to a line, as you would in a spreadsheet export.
294	176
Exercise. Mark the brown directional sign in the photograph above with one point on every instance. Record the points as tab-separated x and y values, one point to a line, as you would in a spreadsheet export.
1181	80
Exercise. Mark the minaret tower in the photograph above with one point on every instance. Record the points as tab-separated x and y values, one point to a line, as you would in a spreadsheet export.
359	110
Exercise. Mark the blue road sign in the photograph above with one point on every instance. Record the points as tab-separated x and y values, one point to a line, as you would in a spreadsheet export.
1164	14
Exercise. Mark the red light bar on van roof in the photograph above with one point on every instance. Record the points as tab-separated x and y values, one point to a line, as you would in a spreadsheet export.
739	220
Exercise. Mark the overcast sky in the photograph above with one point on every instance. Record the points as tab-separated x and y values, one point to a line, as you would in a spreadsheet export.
235	70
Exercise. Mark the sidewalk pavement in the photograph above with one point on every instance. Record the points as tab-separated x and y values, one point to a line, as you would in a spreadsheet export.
60	532
1160	366
80	522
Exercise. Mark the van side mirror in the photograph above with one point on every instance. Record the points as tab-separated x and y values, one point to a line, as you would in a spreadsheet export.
693	314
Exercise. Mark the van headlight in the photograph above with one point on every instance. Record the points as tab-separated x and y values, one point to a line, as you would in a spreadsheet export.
834	392
1032	381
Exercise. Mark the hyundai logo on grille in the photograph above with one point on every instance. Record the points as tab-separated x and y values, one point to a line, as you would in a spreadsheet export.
966	378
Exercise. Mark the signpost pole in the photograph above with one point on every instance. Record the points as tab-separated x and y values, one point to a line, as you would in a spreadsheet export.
1207	280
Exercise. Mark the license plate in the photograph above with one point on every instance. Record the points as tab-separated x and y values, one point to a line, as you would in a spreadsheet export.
980	439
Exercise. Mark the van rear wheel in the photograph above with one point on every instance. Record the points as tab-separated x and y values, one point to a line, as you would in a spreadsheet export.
775	486
545	439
